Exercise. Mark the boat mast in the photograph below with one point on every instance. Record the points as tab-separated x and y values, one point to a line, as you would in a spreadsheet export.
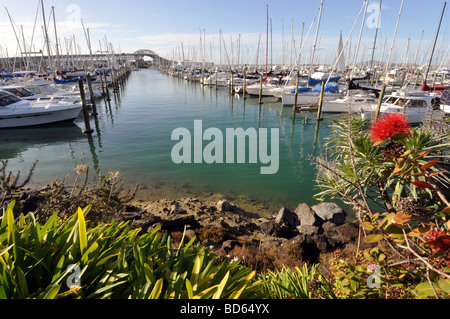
434	45
359	40
315	40
58	64
267	37
46	36
393	42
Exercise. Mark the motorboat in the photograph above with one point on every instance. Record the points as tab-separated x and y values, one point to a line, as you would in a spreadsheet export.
352	103
308	96
16	112
414	105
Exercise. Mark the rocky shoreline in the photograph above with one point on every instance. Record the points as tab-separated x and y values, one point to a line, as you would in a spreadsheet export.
308	233
305	234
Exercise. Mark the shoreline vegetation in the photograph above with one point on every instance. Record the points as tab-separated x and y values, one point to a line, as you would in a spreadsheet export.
126	247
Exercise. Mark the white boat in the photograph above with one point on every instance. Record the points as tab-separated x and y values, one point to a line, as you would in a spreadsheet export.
218	78
266	89
445	101
415	105
308	96
355	102
15	112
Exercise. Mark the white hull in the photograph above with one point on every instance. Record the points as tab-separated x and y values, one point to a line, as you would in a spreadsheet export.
356	103
413	118
307	98
33	115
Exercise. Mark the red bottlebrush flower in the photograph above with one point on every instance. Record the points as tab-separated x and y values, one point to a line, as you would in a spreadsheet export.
394	126
438	240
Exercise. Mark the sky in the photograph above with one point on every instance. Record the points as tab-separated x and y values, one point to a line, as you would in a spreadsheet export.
231	31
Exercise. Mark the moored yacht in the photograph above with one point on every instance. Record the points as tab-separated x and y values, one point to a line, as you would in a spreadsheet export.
15	112
415	105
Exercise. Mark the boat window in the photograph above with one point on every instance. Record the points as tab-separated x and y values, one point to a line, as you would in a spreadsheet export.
24	92
417	103
391	100
7	99
400	102
35	90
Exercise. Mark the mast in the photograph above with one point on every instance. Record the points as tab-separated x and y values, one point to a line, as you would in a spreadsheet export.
58	64
359	41
434	45
393	42
46	36
376	35
315	40
267	37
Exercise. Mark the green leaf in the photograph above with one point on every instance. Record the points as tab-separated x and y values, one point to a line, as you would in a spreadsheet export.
82	231
156	289
52	293
444	284
222	284
373	238
189	290
425	290
196	270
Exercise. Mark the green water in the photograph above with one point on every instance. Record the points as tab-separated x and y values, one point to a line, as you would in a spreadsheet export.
132	134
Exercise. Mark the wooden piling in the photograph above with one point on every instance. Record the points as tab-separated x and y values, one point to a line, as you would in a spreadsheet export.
380	99
231	82
108	97
91	95
296	93
243	86
260	89
319	110
102	83
87	125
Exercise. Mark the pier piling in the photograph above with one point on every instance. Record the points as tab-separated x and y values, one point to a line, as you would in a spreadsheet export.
87	125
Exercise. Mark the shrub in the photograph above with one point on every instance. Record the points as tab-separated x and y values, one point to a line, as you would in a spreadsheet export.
67	259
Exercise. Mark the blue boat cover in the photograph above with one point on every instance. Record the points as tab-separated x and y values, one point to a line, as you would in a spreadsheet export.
328	88
301	89
313	82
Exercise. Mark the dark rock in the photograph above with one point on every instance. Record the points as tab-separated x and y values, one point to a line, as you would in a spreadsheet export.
180	223
270	228
307	216
309	230
189	234
229	245
224	206
328	211
131	216
287	217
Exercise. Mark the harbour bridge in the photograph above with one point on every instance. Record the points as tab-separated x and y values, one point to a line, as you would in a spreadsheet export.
39	59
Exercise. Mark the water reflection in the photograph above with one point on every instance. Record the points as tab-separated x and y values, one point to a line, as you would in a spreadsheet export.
15	141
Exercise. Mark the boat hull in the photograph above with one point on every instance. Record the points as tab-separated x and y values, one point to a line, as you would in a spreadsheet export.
39	117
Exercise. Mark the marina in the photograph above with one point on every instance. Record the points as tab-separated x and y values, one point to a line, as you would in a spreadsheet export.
218	150
126	107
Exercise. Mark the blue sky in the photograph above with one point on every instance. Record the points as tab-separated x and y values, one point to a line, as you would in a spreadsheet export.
171	27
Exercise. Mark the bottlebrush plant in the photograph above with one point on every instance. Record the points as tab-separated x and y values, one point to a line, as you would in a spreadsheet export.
396	178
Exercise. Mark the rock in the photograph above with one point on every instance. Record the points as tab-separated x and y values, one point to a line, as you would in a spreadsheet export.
328	211
309	230
287	217
189	234
274	229
224	206
270	228
177	209
228	245
307	216
179	223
